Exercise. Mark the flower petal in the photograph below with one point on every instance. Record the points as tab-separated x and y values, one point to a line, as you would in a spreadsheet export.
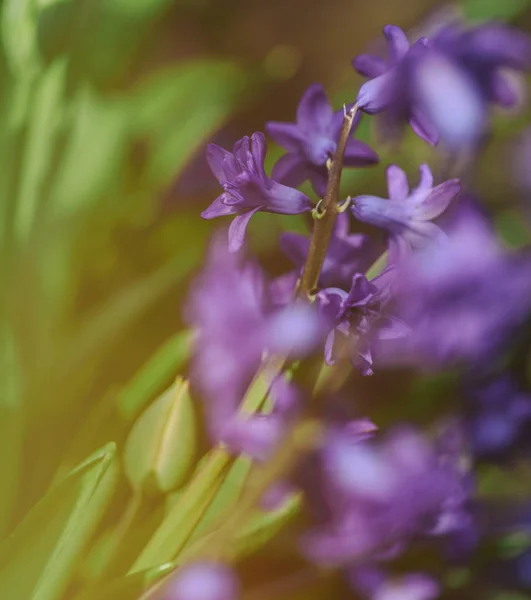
258	151
397	184
377	94
426	178
314	111
287	135
219	209
238	227
295	247
423	127
369	65
397	43
504	90
438	200
290	170
359	154
286	200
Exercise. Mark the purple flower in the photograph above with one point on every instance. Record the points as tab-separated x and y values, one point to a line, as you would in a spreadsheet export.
463	297
465	70
380	497
348	253
389	89
375	585
235	323
356	320
246	187
408	213
312	140
499	416
203	581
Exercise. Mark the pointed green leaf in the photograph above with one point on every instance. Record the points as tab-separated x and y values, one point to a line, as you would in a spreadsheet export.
263	525
40	557
130	587
94	153
160	450
154	374
179	107
43	127
19	36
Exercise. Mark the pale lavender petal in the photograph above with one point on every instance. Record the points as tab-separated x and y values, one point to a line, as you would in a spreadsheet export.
287	135
377	94
203	581
286	200
282	288
426	178
314	111
238	228
295	330
501	46
451	99
438	200
290	170
258	151
397	43
409	587
369	65
359	154
257	436
423	127
217	160
397	184
504	90
219	209
329	348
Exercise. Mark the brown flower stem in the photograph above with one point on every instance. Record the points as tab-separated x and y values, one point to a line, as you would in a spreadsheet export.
324	224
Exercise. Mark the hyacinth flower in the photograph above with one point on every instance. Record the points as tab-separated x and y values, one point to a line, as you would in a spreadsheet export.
235	323
407	215
463	298
246	187
357	321
389	89
463	72
204	581
312	140
376	497
499	415
374	584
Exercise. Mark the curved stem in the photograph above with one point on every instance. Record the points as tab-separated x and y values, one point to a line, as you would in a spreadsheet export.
324	226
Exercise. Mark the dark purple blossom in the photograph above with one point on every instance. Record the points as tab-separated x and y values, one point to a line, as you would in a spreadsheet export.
407	215
463	297
465	70
203	581
389	90
246	187
235	324
499	414
382	496
357	322
312	140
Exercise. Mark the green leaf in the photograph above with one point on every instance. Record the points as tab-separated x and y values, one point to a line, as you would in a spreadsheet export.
44	121
161	448
19	36
263	525
94	153
130	587
40	557
494	9
177	108
154	374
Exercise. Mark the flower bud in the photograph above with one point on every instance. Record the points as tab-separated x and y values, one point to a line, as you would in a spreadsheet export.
161	448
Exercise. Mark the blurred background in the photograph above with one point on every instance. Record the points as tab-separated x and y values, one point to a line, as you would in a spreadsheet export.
105	110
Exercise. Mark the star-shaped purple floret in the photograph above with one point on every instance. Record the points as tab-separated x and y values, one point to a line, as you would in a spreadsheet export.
312	140
246	187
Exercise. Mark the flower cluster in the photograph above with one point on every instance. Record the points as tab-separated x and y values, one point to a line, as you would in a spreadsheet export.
418	280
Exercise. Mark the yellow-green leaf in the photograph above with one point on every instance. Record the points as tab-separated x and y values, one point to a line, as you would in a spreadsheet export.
40	557
161	448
